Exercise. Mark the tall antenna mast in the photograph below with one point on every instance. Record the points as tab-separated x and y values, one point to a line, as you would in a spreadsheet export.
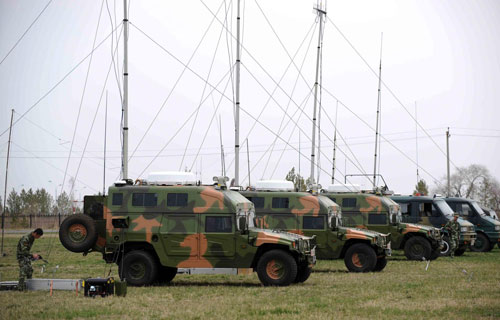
248	165
416	140
237	111
125	92
321	12
105	136
222	160
448	162
6	174
335	143
378	114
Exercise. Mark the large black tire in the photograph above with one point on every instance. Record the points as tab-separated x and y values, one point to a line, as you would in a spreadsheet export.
303	273
277	268
78	233
418	248
459	252
435	254
360	257
139	268
166	274
381	263
445	251
482	243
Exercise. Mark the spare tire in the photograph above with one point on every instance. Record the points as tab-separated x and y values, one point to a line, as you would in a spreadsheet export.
78	233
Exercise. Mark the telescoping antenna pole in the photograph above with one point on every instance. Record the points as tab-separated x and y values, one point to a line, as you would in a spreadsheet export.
321	12
335	143
6	174
237	107
378	114
125	92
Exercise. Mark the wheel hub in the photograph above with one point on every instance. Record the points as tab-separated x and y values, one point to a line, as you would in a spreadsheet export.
275	270
77	232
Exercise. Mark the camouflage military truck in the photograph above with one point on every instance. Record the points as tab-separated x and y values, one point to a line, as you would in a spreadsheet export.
487	228
376	212
152	228
433	211
307	214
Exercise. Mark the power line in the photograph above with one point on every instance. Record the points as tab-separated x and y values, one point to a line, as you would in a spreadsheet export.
26	31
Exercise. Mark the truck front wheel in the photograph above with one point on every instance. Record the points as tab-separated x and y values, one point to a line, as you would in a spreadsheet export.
360	257
139	268
276	268
482	243
418	248
381	263
303	273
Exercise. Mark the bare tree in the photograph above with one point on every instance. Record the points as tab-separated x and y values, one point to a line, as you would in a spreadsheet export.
475	182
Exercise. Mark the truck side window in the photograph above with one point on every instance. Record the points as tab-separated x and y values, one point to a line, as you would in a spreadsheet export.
405	209
219	224
376	218
466	210
315	223
349	202
144	199
177	199
280	203
117	199
435	211
425	209
258	202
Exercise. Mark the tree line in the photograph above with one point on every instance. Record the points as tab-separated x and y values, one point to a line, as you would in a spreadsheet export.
38	202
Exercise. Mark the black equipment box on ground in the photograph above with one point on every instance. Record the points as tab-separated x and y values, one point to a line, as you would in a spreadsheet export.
99	287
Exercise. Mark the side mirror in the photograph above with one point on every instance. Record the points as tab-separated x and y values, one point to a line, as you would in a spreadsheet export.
394	219
242	223
333	223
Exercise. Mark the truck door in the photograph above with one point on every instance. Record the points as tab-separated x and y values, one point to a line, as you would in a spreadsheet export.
217	238
424	213
407	212
179	235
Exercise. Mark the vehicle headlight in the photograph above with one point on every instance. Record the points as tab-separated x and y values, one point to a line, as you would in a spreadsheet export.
497	228
463	229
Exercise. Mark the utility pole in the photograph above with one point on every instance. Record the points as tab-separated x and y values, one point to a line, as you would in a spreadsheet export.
416	140
6	174
237	107
321	12
448	160
125	92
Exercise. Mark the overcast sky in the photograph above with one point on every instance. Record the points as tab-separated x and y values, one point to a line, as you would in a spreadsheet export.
442	55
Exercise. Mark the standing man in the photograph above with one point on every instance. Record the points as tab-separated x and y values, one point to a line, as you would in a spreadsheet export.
453	228
24	256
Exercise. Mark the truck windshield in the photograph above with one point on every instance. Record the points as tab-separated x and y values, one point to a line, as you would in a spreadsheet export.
478	208
444	207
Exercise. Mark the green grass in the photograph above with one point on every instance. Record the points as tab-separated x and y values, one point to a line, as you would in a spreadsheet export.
403	290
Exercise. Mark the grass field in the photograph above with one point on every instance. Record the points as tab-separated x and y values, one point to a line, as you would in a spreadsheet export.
466	287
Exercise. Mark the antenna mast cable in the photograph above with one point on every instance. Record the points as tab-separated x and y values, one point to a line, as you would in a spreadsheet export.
6	174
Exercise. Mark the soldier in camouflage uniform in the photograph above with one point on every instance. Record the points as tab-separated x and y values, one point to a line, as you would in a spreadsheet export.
24	256
453	228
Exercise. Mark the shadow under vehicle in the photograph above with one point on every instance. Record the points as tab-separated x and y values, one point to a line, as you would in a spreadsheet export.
434	211
487	228
152	228
278	207
374	211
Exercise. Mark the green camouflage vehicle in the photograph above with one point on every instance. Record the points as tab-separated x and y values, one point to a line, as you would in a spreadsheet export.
307	214
151	229
434	211
373	211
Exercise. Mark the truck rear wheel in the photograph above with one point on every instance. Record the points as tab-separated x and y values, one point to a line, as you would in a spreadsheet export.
360	257
418	248
139	268
482	243
78	233
303	273
381	263
276	268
